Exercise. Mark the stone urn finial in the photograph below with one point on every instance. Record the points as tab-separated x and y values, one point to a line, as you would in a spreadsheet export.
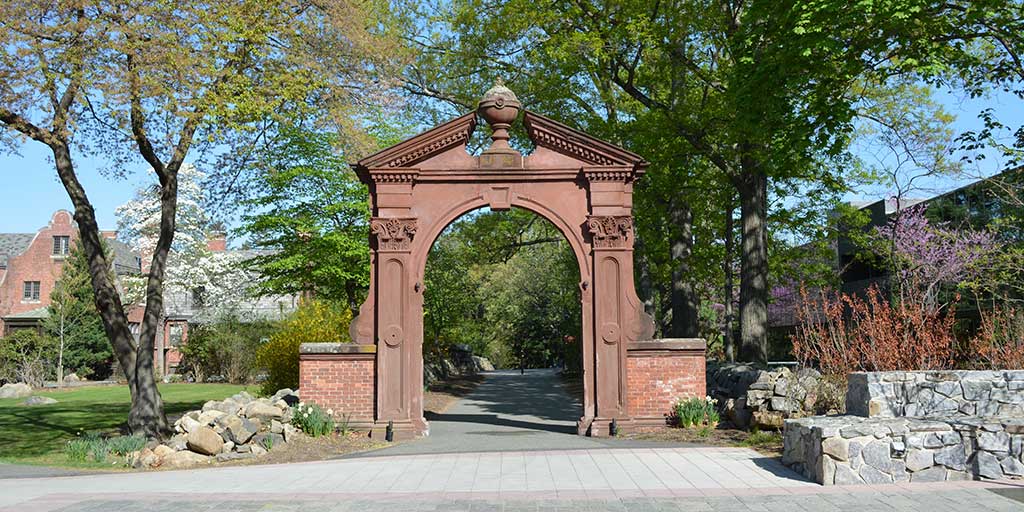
499	107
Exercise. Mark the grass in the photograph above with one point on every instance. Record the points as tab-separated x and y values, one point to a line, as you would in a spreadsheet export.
38	434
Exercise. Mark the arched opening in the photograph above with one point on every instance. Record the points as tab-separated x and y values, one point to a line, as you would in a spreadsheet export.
505	285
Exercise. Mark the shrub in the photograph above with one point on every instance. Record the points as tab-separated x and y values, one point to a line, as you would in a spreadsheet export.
695	412
225	347
849	333
27	356
313	420
999	342
314	321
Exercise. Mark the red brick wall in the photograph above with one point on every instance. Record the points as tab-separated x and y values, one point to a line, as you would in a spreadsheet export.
657	380
342	382
37	263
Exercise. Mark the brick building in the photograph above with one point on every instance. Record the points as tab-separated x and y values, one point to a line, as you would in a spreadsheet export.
31	263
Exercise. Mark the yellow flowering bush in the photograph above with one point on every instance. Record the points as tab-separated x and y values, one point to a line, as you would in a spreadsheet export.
313	322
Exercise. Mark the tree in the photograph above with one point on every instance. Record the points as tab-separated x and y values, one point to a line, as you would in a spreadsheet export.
762	92
73	320
155	81
312	219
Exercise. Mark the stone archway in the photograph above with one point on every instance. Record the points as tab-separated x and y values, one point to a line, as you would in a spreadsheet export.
581	185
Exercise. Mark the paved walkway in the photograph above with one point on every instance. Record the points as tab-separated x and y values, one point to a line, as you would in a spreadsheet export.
607	479
510	412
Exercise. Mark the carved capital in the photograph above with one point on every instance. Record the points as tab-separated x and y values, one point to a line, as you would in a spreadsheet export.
393	233
612	231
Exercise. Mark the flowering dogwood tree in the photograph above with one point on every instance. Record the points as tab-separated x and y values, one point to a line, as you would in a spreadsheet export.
138	220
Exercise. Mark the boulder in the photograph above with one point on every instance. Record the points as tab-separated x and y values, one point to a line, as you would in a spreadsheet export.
276	427
262	411
163	450
178	442
71	378
257	450
482	364
189	425
238	430
39	400
147	458
185	459
768	420
17	390
205	440
228	457
208	418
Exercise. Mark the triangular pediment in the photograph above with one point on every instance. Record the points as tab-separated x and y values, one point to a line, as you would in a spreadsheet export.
548	133
423	146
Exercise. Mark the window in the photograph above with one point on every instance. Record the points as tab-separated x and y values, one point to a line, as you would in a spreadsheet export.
31	291
175	335
61	245
198	297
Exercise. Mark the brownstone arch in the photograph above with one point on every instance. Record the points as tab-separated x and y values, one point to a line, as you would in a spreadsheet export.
581	185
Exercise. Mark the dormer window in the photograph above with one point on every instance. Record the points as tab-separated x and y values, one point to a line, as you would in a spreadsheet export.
61	245
198	297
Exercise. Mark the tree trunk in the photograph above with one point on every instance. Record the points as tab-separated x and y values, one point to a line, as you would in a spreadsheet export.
644	271
108	302
147	414
729	344
685	303
60	354
753	192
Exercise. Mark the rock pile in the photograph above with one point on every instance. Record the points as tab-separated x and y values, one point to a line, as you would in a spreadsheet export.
460	362
239	427
764	398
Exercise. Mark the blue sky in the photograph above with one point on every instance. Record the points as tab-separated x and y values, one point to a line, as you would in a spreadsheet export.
31	191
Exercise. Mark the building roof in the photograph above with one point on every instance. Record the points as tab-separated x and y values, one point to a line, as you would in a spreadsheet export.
13	244
35	314
126	261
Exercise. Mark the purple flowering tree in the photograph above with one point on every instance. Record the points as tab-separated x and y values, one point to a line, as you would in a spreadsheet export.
925	256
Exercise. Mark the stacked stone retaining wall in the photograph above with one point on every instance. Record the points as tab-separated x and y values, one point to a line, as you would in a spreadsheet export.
922	426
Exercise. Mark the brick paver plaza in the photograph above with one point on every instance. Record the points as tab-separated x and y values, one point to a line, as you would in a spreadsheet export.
605	479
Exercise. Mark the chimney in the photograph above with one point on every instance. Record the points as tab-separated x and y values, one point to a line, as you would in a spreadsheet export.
217	241
108	234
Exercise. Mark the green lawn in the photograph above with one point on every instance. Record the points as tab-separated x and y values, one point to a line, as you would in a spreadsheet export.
36	435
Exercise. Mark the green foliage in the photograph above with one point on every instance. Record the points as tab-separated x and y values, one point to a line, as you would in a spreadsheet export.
225	347
761	438
696	412
39	435
506	284
73	317
27	356
91	445
313	420
313	215
314	321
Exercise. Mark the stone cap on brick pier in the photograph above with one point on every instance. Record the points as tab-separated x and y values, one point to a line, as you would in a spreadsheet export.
336	348
674	345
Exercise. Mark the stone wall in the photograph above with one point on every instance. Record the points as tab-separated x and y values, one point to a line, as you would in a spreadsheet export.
660	372
846	450
915	426
930	393
764	398
340	377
